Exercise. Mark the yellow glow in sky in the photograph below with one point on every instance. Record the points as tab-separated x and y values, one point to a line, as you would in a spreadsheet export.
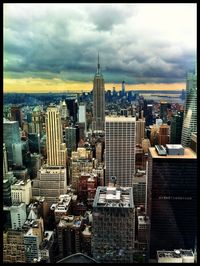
33	85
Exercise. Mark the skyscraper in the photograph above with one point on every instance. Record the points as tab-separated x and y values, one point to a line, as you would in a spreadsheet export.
56	149
11	136
123	88
37	120
70	139
16	114
50	183
190	112
163	111
69	235
163	135
5	161
82	115
63	110
140	130
176	128
120	149
98	101
172	199
113	230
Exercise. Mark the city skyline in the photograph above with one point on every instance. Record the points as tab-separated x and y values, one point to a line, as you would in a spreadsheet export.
54	47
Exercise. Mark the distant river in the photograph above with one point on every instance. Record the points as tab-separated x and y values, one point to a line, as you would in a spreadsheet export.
171	98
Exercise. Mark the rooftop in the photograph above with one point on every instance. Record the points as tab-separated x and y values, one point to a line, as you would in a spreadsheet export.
30	233
70	221
5	121
21	183
188	154
37	109
143	220
174	146
120	119
114	197
177	253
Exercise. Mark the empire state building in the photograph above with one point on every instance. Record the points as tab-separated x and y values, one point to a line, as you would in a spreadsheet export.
98	101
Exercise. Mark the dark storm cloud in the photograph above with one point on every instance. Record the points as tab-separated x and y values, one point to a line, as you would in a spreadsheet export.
63	41
106	16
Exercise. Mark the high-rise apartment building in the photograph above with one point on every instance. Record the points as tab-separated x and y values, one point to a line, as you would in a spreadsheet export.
56	149
190	112
98	101
113	230
172	199
120	149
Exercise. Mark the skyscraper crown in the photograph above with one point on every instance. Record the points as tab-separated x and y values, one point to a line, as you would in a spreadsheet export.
98	73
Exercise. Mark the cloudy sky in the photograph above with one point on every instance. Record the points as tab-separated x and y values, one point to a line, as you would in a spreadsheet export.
54	47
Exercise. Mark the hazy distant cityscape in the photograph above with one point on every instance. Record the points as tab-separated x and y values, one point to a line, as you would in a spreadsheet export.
98	175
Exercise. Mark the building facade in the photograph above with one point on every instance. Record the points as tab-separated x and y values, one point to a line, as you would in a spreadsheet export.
70	139
120	149
16	114
21	191
190	111
13	247
11	135
164	106
31	242
69	235
113	230
140	130
82	115
163	135
176	128
56	149
50	183
172	199
37	120
18	215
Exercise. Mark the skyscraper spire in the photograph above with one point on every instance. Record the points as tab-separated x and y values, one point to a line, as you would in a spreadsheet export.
98	100
98	65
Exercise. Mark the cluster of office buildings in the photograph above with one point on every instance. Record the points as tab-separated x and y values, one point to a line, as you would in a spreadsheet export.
124	191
